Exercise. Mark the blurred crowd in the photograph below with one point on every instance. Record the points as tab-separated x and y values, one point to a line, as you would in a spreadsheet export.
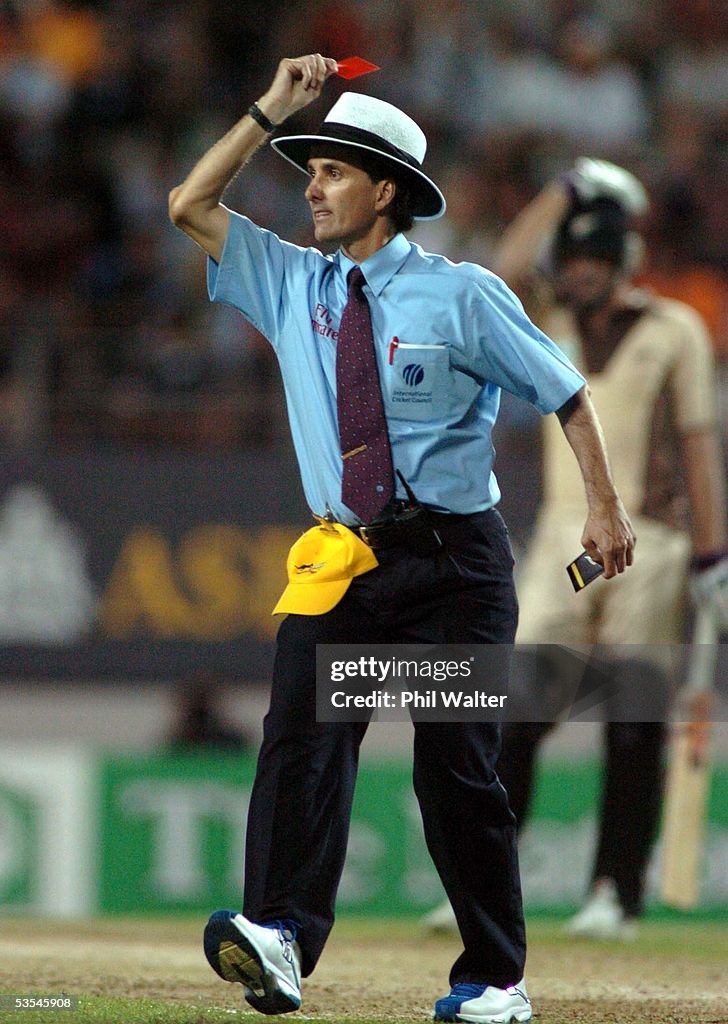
105	328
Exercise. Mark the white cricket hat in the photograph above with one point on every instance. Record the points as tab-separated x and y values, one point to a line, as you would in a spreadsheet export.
373	125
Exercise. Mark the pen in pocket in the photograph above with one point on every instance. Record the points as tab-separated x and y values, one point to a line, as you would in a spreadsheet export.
395	343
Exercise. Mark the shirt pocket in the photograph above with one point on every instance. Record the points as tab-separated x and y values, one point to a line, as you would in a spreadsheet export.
417	381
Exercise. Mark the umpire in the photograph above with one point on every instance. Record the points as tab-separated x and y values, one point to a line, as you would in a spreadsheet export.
393	361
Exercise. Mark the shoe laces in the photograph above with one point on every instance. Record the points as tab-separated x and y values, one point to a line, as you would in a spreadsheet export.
288	929
287	932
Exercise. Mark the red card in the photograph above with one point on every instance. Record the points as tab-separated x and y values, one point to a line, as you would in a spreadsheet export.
352	67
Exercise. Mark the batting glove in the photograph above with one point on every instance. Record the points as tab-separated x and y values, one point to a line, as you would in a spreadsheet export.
593	179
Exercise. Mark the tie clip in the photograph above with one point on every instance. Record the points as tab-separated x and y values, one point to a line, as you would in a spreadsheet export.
355	451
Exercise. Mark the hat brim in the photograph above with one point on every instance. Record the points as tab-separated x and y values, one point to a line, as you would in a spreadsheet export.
311	598
428	202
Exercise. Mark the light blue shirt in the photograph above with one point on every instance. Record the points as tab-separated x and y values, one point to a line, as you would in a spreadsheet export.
448	338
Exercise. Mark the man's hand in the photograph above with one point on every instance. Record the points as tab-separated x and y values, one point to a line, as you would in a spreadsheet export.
609	539
195	206
298	81
591	179
608	536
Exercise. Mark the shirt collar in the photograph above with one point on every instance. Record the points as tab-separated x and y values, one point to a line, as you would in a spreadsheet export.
380	268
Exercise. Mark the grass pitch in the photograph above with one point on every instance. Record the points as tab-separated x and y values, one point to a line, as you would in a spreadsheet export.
152	971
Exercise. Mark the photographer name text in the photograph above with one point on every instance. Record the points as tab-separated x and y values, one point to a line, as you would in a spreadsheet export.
418	699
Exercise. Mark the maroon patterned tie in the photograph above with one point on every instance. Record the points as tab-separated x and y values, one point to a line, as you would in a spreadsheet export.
368	480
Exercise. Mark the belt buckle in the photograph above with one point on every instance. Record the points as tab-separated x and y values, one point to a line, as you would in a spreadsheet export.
362	531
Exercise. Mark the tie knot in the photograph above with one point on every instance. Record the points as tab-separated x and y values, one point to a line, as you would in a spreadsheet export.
355	280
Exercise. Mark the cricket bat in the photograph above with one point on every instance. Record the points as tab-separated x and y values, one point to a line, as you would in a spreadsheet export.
688	773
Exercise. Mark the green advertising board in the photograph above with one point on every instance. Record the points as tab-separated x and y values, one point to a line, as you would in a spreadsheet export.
83	832
172	838
49	818
19	848
172	831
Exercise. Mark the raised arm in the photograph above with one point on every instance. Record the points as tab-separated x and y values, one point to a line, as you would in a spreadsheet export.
195	205
608	536
522	242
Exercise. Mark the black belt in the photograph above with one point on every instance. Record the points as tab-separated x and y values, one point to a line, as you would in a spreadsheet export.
416	528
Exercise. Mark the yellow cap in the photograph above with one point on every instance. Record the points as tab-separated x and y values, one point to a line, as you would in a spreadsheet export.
321	565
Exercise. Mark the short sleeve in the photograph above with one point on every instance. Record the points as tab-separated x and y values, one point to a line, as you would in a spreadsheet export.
517	355
259	273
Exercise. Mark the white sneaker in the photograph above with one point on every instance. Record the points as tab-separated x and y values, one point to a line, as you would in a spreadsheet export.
484	1004
264	959
602	917
441	919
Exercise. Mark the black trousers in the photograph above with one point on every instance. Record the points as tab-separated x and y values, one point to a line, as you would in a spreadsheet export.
631	788
301	803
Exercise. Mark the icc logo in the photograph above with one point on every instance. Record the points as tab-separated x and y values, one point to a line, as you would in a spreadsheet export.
413	375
